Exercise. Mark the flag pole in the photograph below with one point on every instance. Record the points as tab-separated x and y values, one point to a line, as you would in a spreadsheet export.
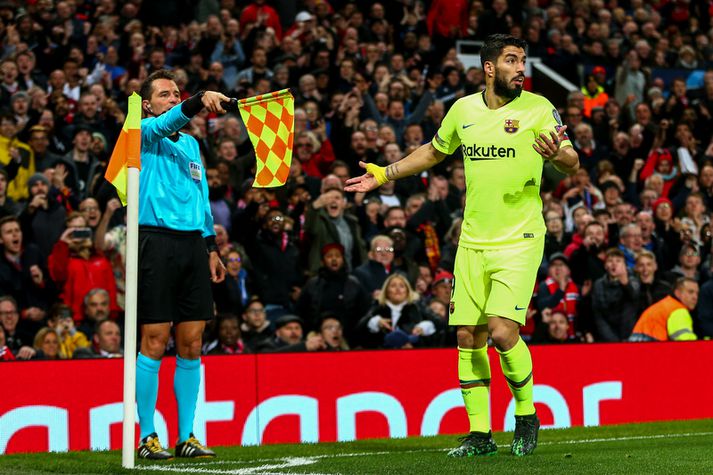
132	262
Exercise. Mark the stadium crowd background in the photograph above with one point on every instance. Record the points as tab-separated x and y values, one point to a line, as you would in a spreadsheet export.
310	268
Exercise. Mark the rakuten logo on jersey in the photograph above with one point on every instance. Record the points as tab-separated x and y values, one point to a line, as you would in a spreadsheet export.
487	152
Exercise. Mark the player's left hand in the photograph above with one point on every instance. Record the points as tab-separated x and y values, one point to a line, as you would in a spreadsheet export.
363	183
212	99
217	268
549	146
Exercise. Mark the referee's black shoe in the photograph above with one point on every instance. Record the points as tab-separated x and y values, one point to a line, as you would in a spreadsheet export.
151	449
475	444
524	441
191	448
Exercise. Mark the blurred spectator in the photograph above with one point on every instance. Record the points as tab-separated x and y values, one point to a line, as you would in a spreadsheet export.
450	245
46	345
275	262
255	328
630	243
554	328
23	274
233	293
653	287
557	238
96	307
43	219
106	342
330	329
288	337
396	320
333	290
615	297
229	341
669	318
442	286
587	261
61	320
558	291
704	311
12	149
689	260
5	352
8	207
374	272
112	242
76	267
326	223
17	338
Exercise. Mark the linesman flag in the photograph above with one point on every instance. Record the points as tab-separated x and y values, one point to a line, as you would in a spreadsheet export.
270	120
127	151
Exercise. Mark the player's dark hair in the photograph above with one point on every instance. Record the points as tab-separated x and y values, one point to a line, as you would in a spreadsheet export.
147	86
495	44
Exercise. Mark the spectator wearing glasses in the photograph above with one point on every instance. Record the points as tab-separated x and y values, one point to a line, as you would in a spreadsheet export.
315	156
374	272
18	337
232	294
689	260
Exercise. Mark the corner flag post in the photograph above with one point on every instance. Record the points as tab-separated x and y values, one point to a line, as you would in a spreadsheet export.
123	173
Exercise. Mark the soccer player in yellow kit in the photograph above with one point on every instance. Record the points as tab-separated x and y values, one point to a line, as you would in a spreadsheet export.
504	133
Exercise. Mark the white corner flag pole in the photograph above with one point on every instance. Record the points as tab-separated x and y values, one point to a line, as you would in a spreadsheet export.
132	265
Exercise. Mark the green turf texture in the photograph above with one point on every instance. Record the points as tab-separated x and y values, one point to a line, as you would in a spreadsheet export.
662	447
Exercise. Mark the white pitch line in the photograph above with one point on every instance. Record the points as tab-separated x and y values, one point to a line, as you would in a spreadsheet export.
287	462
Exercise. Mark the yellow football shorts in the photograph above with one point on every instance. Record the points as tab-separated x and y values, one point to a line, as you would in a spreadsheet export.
494	282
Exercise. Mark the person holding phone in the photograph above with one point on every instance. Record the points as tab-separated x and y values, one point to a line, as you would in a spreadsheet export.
77	267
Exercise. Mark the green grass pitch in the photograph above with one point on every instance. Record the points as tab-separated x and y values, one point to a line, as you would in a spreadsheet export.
662	447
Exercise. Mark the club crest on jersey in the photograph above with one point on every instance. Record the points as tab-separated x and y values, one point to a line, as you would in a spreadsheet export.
452	307
512	126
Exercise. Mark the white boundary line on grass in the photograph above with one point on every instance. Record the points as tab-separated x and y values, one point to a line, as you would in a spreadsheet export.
288	462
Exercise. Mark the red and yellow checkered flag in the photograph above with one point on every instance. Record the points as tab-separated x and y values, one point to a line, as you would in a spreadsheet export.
270	120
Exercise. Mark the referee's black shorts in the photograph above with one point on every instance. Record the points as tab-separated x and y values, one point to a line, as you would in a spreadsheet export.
174	276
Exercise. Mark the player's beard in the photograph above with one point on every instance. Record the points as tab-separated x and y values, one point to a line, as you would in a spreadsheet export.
504	89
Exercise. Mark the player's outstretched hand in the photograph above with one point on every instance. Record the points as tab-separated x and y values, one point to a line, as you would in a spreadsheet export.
549	146
212	99
363	183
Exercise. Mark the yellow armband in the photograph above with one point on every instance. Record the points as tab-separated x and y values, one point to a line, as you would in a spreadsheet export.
378	172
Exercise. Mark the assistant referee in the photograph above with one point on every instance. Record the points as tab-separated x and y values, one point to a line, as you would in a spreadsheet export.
178	257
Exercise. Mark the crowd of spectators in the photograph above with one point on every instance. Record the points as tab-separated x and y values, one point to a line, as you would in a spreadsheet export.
310	268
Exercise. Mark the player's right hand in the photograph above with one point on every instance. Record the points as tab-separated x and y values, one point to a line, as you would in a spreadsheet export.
363	183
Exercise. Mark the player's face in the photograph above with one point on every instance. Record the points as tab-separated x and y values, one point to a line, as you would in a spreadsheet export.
164	96
510	72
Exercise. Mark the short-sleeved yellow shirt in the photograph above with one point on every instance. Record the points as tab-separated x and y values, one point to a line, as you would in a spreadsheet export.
503	172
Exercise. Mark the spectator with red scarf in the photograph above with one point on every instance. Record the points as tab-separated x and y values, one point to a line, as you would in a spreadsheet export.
558	291
229	341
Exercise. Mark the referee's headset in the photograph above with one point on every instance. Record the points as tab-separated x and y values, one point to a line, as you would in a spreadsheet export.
148	109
